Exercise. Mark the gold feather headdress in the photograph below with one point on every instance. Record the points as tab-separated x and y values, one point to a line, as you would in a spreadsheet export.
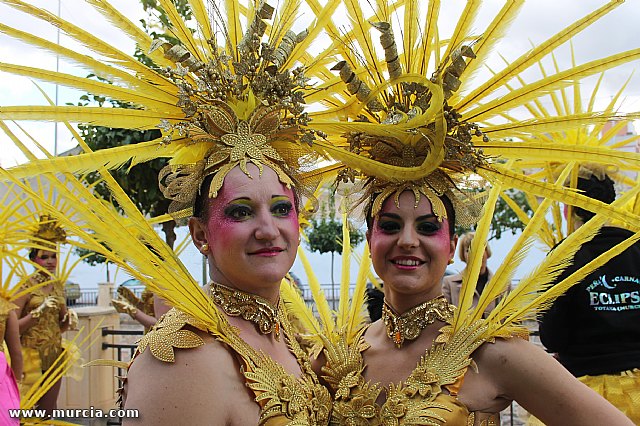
223	96
392	121
49	230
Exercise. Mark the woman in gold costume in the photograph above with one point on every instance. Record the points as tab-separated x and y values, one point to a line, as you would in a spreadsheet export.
422	149
462	377
43	315
249	233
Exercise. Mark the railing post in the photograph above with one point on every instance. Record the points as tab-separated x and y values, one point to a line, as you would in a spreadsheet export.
105	294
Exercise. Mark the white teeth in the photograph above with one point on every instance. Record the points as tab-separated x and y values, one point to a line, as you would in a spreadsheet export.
407	262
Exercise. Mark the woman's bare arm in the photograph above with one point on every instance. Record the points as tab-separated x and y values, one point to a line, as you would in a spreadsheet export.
12	337
144	319
25	320
533	378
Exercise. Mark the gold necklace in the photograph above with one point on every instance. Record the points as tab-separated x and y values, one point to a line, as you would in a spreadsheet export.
249	306
409	325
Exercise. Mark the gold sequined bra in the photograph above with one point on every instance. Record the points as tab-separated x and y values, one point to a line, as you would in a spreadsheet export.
426	397
283	398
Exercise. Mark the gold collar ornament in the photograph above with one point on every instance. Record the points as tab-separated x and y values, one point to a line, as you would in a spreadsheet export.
250	307
409	325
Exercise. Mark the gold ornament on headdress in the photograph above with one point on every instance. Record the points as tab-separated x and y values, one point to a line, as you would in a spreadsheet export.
49	230
239	110
406	123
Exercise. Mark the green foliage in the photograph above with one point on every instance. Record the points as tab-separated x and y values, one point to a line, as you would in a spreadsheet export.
140	182
325	235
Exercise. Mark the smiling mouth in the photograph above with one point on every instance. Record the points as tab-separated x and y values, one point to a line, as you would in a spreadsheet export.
409	263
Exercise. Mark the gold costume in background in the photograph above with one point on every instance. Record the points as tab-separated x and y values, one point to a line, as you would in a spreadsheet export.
42	343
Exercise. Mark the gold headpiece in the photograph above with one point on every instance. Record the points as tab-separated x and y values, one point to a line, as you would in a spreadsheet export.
241	108
49	230
416	130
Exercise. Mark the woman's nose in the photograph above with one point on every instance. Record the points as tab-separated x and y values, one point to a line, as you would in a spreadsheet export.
267	228
408	238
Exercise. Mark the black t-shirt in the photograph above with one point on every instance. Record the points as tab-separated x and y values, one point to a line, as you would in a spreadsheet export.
595	326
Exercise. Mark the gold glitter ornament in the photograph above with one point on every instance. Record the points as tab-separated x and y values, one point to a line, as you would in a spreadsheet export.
410	324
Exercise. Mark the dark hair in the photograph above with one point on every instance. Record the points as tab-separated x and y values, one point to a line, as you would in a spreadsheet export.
601	190
448	206
201	203
33	253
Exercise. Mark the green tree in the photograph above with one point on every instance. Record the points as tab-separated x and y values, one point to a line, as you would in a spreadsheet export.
141	181
325	235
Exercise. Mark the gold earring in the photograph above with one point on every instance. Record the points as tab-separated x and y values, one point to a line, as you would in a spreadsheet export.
204	248
450	261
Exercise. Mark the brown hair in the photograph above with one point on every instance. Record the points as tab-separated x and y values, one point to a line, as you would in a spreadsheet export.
465	242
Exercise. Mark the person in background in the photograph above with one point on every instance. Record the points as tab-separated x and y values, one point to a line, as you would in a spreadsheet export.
43	314
9	334
141	309
451	284
594	329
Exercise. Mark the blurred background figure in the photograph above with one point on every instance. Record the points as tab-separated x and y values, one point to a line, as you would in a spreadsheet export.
9	337
141	309
451	284
594	329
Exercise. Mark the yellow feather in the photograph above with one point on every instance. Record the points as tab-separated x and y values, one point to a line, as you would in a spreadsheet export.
463	25
98	68
345	281
142	39
540	87
107	158
489	39
561	152
297	307
324	311
533	293
533	56
181	31
428	35
502	278
474	263
97	116
357	314
95	44
233	27
200	14
558	193
553	123
166	103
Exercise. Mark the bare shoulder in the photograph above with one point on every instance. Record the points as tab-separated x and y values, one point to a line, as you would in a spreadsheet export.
204	383
519	370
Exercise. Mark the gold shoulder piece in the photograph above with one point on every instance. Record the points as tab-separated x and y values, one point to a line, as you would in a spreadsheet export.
168	333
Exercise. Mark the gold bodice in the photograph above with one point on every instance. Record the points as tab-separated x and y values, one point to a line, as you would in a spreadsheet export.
45	335
283	398
426	397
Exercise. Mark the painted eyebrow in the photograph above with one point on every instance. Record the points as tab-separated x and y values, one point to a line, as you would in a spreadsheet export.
397	217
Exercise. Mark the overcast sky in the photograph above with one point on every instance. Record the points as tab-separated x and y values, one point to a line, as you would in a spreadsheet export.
616	32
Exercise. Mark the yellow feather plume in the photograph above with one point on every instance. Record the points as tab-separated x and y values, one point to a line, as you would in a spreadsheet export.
533	56
322	305
109	158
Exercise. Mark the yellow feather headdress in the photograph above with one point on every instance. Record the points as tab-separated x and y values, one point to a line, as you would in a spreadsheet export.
391	120
230	93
